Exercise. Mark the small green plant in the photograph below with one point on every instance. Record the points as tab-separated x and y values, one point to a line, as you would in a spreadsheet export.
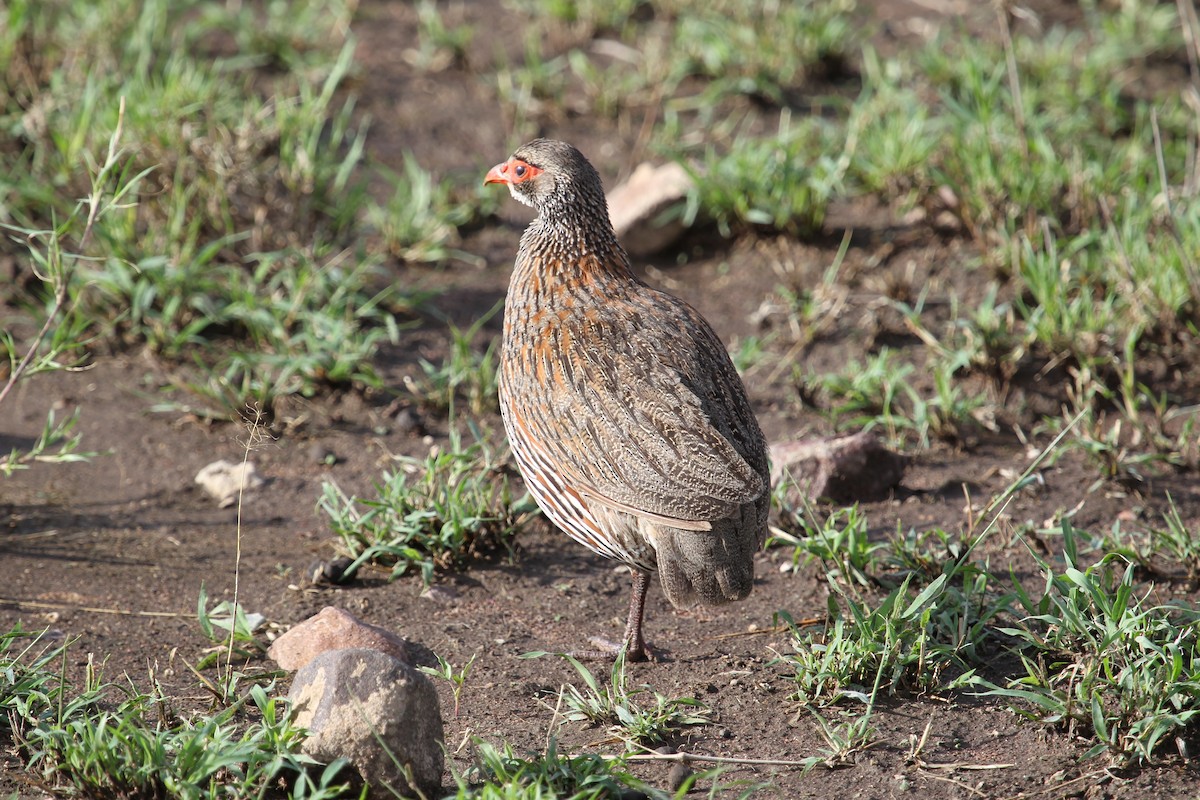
457	678
421	220
840	543
466	373
785	181
1103	661
228	623
1161	550
56	444
616	705
29	680
500	774
439	45
457	507
844	740
865	394
923	555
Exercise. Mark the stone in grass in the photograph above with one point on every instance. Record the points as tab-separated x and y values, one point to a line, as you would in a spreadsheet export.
225	480
844	469
333	629
378	713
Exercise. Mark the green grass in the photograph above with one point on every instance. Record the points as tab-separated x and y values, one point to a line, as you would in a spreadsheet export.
420	222
1100	655
840	543
430	514
500	774
785	181
617	706
457	678
1103	659
238	207
110	740
467	377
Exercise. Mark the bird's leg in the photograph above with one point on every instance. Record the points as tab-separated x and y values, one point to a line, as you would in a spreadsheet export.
635	645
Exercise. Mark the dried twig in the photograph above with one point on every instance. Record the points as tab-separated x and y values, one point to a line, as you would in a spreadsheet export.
33	604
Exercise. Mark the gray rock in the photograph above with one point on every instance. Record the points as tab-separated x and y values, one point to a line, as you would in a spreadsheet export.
844	469
376	712
333	629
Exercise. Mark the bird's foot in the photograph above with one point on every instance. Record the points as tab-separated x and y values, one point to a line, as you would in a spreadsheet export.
607	650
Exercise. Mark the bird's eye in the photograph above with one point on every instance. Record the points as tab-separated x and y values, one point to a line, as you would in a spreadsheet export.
520	170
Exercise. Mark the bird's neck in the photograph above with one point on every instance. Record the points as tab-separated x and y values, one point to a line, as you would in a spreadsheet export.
568	249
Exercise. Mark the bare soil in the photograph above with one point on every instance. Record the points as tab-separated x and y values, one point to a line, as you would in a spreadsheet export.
114	552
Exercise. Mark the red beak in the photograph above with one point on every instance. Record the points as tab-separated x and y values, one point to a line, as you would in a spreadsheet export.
496	174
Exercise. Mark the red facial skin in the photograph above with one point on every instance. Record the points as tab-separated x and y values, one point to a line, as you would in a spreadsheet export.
512	171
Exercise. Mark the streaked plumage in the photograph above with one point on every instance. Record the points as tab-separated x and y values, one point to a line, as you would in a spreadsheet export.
627	419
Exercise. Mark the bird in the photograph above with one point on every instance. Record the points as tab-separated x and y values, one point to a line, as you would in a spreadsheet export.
626	417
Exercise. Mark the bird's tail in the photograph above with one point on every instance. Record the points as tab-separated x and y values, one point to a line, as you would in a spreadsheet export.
710	567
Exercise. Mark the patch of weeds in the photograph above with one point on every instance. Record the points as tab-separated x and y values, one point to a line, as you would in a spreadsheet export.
465	374
129	752
811	309
429	514
1177	543
30	684
843	740
949	412
55	256
864	395
421	220
923	555
240	232
892	132
617	706
439	45
1078	190
1161	550
909	639
103	740
1111	443
841	543
893	640
532	89
291	36
1102	660
783	181
309	326
500	774
759	50
585	17
56	444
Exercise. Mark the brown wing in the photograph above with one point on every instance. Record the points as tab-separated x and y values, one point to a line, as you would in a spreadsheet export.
641	409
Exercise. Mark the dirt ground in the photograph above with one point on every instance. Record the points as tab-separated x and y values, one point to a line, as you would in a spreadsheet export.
114	552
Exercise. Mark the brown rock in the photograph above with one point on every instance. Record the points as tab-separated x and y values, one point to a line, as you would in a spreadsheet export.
333	629
636	205
376	712
844	469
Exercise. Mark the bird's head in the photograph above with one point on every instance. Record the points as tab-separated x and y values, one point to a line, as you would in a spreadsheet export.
553	177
